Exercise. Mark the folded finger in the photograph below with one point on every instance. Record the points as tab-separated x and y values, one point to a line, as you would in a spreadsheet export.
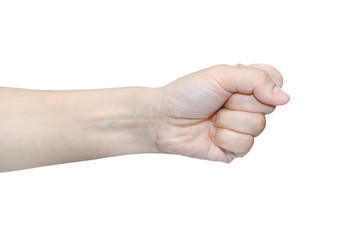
239	121
232	141
275	74
248	103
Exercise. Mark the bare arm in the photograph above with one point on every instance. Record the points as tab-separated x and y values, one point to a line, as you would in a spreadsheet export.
40	128
211	114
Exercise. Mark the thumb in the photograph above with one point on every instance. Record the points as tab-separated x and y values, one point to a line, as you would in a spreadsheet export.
250	80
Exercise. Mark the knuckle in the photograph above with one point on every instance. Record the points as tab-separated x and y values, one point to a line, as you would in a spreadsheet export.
221	68
247	143
218	72
260	75
281	79
259	123
277	76
270	109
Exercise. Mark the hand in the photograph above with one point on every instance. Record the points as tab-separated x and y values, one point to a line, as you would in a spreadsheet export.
210	114
215	113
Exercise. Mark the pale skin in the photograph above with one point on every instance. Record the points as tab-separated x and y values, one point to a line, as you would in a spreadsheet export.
212	114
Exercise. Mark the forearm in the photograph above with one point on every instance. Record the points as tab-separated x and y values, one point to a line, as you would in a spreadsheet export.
40	128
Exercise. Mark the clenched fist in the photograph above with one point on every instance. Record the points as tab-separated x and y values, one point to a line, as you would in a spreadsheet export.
211	114
215	113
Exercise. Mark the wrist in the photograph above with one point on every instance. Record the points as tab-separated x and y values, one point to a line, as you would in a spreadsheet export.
51	127
132	120
107	122
141	121
116	121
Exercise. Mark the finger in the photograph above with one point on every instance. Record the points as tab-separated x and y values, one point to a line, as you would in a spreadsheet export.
275	75
232	155
232	141
250	80
248	103
239	121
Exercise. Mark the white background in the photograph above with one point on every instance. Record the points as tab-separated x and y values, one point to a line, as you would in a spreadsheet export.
301	179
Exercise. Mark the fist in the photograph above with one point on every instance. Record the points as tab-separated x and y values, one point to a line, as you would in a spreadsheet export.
215	113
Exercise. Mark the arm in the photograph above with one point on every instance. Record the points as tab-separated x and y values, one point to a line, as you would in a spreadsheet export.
40	128
211	114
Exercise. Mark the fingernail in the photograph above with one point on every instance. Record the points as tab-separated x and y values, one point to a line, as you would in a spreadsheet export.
280	94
